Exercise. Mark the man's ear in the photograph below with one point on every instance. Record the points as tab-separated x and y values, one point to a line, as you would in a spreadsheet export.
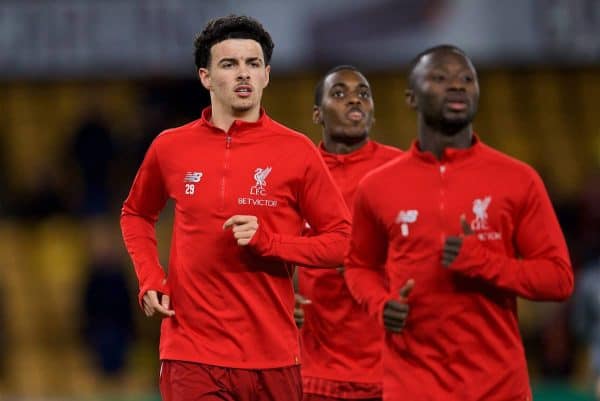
317	117
204	76
409	98
268	75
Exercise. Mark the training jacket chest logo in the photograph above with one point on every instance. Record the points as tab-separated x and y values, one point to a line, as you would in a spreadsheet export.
259	189
480	210
260	176
480	224
190	179
192	176
406	217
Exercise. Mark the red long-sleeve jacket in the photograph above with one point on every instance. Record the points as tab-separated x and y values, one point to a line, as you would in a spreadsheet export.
461	340
340	357
233	305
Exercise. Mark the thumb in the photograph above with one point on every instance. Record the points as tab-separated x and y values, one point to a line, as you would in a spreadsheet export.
466	227
404	292
228	223
301	300
165	301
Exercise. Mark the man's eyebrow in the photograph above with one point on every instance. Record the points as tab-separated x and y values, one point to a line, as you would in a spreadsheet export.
344	85
339	84
228	59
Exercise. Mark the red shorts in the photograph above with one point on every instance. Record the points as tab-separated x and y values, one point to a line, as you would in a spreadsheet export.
317	397
188	381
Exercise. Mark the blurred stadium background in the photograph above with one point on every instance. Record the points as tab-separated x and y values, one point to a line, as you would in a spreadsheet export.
86	85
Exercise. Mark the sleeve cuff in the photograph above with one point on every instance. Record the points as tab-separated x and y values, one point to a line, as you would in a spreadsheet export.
262	242
158	283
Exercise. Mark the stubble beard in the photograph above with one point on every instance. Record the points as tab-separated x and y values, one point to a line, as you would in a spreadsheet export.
240	107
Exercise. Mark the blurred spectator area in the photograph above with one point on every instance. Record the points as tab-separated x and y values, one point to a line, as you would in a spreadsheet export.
546	117
44	270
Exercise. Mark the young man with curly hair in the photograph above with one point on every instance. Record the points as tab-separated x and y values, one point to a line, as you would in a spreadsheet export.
243	187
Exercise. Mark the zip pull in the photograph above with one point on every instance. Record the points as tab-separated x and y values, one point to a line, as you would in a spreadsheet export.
442	169
228	141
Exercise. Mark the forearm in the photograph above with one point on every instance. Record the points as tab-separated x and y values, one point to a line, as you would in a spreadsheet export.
323	250
140	240
547	278
140	212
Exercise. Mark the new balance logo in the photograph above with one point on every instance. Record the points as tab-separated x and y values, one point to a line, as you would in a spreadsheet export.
404	218
192	176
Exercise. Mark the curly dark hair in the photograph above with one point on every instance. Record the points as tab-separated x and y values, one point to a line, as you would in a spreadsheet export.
231	27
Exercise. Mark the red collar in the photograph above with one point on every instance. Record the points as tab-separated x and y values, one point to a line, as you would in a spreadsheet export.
364	152
450	154
238	125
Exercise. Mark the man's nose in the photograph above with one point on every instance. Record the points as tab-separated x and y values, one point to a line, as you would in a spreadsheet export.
243	72
457	83
354	98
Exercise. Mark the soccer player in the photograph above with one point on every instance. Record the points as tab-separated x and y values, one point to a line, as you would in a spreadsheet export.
456	231
243	187
341	344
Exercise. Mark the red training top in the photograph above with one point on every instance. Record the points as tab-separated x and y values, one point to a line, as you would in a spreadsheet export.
341	344
461	340
233	305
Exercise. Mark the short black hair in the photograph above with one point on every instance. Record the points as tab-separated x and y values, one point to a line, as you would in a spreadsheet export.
321	83
231	27
439	48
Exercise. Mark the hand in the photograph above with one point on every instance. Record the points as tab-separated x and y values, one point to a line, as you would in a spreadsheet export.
453	243
151	304
299	310
395	312
244	228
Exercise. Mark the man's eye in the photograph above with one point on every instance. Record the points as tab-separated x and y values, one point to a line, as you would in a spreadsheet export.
365	95
338	94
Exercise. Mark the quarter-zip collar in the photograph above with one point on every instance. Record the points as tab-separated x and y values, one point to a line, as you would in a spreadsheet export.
238	126
333	159
450	155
